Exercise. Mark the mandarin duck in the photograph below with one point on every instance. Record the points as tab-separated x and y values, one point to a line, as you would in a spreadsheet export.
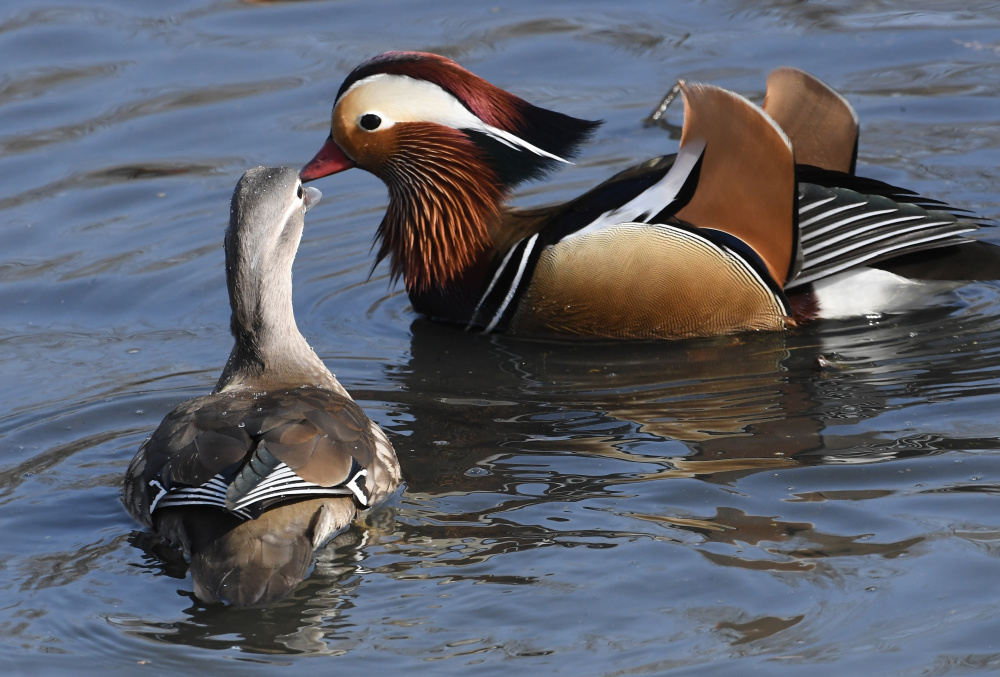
756	223
278	459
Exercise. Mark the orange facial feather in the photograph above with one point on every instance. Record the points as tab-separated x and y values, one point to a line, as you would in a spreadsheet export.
443	200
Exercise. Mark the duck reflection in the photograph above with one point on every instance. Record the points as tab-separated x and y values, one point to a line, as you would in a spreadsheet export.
688	407
696	408
785	545
502	428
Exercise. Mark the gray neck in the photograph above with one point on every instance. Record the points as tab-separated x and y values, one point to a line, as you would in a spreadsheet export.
268	351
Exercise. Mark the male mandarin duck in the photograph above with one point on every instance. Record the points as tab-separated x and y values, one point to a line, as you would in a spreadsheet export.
252	478
757	223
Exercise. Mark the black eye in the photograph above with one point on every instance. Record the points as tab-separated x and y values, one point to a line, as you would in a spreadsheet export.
370	121
299	192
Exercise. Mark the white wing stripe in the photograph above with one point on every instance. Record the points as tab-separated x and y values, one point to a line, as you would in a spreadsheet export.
825	244
301	489
828	214
807	208
851	219
654	199
282	481
207	494
854	262
866	243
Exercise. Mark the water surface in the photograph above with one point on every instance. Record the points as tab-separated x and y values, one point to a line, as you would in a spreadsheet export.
703	507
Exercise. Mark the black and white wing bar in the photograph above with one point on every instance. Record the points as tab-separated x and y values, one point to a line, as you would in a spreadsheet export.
842	229
211	493
281	484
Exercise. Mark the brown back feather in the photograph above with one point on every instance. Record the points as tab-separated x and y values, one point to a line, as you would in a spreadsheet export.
821	124
747	181
314	431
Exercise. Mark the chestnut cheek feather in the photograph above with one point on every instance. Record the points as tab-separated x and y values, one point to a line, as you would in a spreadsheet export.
329	160
443	198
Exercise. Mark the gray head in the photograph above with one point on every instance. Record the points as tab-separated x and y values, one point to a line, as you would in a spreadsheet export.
266	219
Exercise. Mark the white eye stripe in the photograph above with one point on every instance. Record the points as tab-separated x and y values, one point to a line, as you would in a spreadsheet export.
399	98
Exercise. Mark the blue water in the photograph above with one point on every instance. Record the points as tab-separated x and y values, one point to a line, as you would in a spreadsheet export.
712	507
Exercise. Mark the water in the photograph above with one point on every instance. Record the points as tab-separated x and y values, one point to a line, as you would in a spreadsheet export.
708	507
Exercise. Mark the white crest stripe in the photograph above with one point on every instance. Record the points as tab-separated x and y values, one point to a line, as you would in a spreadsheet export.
399	98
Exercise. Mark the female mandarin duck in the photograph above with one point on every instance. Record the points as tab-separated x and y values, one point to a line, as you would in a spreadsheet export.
735	232
278	459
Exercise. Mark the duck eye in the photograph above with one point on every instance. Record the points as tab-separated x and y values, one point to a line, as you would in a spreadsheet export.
370	122
299	192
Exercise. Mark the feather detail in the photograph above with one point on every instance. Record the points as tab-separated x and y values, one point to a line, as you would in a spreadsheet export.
444	198
747	159
243	452
843	229
821	124
261	464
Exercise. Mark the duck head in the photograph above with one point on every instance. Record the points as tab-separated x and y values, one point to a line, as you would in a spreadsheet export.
449	146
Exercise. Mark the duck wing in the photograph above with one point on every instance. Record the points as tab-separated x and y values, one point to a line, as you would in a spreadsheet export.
243	452
847	221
